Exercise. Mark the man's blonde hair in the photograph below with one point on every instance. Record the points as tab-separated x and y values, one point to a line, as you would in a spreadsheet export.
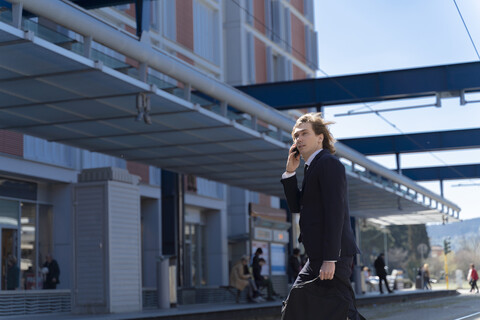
319	126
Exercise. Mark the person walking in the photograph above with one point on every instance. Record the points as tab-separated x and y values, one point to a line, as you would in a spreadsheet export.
426	277
381	271
472	277
322	202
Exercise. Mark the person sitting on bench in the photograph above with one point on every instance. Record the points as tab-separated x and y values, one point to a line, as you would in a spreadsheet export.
240	281
262	281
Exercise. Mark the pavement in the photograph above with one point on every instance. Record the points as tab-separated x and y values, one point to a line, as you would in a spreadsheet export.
264	310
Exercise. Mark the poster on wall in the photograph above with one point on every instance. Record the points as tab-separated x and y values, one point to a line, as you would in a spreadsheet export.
278	259
265	255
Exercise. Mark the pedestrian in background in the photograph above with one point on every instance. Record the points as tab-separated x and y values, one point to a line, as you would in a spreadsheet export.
294	265
12	273
381	271
472	278
426	277
262	281
52	273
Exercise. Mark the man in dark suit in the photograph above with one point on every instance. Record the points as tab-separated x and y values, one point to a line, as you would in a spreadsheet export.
322	202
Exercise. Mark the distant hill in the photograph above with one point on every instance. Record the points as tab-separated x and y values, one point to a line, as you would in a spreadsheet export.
454	230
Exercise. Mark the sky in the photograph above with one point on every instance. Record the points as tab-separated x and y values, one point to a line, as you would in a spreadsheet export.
379	35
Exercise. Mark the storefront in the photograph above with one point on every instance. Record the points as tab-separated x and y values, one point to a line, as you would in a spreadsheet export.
25	232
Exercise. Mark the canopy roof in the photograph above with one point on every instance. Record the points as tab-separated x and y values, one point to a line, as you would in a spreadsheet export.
57	94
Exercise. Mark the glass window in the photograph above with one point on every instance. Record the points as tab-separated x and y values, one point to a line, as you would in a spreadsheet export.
206	33
8	213
45	232
169	21
27	245
9	233
195	270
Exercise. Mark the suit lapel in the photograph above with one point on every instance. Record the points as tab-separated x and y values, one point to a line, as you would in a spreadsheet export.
312	166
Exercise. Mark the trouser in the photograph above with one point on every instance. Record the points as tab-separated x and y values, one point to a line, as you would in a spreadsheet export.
265	282
343	270
474	285
384	279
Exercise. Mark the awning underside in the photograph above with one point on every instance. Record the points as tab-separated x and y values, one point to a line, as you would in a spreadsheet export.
52	93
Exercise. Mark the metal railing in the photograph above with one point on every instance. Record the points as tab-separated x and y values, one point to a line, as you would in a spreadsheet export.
20	302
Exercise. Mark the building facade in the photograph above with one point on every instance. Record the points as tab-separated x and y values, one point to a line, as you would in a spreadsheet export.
52	194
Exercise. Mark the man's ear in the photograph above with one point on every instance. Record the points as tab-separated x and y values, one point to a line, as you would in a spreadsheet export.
320	138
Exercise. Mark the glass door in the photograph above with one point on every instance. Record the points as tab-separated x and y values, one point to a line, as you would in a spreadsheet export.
8	249
9	223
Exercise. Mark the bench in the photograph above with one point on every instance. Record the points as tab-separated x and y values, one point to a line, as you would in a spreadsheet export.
234	291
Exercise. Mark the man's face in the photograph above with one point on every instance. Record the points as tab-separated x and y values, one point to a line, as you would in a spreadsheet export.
306	140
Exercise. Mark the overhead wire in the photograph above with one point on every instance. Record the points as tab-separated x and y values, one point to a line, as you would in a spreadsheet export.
466	28
376	112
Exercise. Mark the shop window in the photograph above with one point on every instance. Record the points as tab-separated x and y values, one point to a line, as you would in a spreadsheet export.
195	264
27	246
45	233
9	234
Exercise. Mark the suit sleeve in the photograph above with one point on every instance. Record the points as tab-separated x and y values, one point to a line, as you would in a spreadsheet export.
292	193
333	192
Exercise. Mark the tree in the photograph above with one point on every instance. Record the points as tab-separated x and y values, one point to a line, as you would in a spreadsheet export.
402	242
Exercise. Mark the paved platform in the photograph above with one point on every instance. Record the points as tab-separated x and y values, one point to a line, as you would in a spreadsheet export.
264	311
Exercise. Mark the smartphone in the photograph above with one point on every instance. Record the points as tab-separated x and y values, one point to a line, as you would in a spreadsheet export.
296	151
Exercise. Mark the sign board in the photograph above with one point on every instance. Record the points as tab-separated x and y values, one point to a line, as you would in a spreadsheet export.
280	236
262	234
278	259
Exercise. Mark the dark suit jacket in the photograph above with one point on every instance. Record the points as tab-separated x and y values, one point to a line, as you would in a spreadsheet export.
325	226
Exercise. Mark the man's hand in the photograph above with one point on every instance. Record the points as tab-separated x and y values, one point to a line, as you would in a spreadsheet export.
327	270
293	161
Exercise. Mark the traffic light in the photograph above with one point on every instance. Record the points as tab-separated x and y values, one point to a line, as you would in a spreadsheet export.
446	246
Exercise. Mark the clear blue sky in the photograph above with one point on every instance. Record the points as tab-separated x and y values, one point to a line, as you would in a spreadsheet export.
375	35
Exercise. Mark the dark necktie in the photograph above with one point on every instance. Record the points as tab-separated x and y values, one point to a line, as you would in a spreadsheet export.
304	176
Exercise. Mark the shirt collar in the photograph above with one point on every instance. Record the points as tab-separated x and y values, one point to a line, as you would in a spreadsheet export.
312	156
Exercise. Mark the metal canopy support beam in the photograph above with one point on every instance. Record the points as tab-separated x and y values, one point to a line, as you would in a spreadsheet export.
468	171
377	86
417	142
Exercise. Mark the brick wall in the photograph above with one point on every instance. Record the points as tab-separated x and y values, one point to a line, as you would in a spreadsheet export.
260	61
11	143
184	12
297	4
298	38
264	200
139	169
259	15
298	73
